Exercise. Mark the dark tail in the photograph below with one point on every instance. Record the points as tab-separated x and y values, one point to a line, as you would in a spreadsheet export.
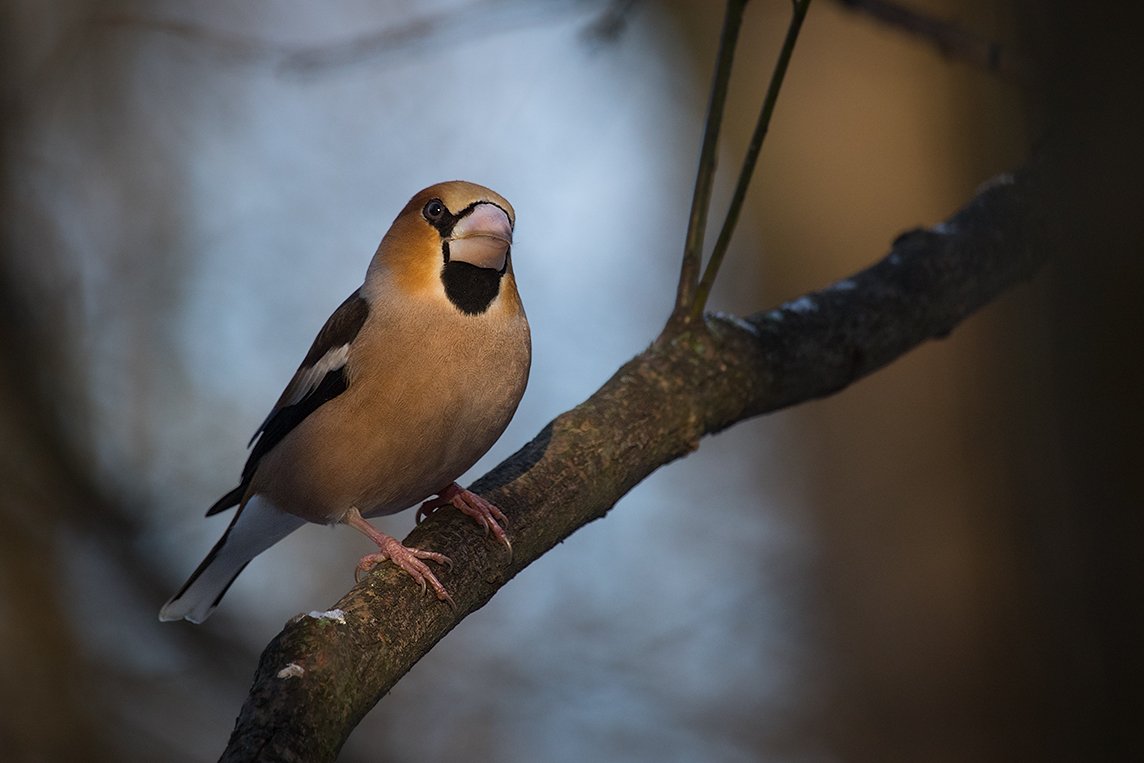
230	499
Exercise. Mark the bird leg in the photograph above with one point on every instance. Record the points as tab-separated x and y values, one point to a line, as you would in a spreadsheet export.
485	514
408	559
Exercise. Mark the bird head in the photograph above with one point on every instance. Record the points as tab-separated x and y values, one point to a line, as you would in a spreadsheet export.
453	238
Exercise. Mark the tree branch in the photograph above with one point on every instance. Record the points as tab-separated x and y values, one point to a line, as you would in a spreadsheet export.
321	675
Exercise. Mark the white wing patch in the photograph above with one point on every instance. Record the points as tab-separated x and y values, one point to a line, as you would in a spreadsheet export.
305	381
308	379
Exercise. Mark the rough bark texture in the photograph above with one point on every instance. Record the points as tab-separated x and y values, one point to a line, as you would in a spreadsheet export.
655	409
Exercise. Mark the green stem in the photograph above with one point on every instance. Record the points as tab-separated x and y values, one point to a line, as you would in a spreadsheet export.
701	200
753	149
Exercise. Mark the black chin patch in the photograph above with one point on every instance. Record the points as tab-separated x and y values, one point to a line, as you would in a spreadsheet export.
470	288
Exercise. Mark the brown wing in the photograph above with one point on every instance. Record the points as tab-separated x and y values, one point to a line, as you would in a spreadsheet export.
319	379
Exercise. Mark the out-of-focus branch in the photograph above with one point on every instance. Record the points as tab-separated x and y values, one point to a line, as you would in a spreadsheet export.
611	23
467	23
949	38
320	675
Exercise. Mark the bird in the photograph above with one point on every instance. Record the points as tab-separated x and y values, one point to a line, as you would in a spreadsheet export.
410	381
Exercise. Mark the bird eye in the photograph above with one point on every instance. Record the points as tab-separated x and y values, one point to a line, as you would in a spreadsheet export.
434	210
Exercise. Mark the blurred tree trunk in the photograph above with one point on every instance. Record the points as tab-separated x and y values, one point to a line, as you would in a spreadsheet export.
44	665
1089	536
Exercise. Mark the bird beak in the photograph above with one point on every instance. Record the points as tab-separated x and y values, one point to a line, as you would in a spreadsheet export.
482	237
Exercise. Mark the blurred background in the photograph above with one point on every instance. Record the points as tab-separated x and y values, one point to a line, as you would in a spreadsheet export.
939	563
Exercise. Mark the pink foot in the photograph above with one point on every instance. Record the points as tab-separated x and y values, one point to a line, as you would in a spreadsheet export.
408	559
488	516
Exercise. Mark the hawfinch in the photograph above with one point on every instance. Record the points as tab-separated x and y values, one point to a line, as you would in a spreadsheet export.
411	380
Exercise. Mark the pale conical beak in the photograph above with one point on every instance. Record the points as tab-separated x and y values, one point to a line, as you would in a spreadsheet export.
482	237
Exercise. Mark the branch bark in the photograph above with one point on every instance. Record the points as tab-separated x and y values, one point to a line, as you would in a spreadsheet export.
321	675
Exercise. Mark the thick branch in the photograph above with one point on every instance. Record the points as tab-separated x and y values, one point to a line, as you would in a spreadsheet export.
319	677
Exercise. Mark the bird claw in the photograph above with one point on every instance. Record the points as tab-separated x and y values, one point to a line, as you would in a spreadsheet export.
485	514
407	558
367	563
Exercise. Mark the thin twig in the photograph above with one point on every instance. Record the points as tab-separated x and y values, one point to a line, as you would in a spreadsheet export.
720	250
704	180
